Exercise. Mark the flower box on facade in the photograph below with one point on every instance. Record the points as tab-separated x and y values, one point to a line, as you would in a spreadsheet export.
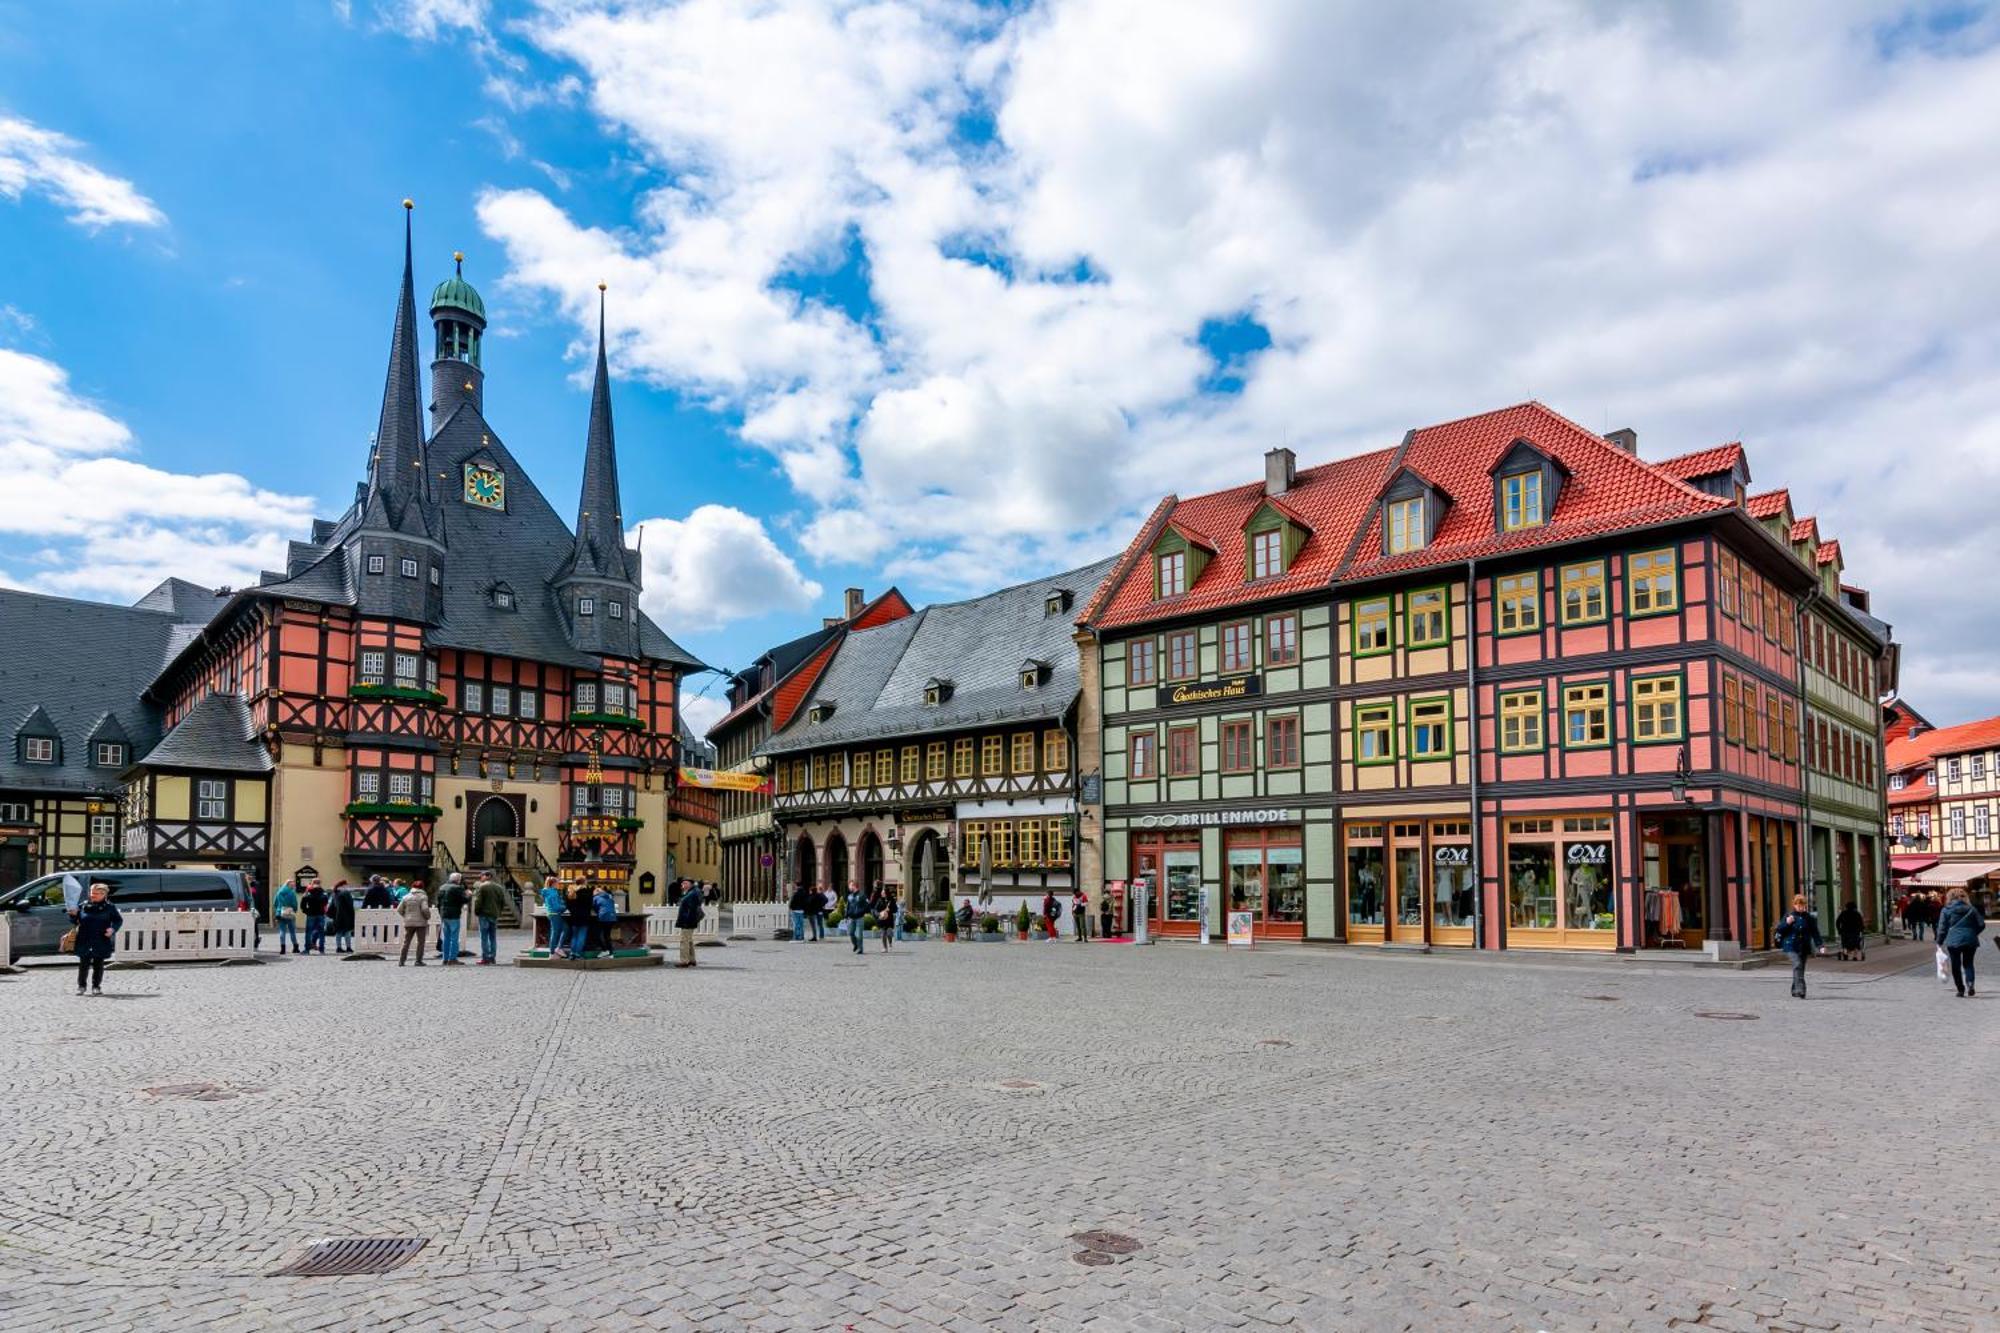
391	810
628	823
407	693
606	720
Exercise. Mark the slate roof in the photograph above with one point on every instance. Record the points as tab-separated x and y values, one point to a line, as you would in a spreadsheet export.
1703	462
218	733
184	600
76	662
876	679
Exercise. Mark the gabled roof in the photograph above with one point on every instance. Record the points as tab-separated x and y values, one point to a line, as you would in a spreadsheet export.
789	658
1964	738
39	724
217	734
184	600
1711	462
1192	537
879	674
107	728
1806	530
1278	503
1770	504
1827	552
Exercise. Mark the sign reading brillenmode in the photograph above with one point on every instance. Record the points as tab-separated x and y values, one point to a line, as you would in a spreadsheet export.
1222	689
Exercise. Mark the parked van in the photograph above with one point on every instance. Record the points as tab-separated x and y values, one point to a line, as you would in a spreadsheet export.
38	911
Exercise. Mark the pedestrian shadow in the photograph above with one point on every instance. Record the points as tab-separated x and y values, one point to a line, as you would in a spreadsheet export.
130	995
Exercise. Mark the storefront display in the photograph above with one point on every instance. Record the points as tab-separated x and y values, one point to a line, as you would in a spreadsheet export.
1410	881
1367	880
1676	879
1561	890
1267	879
1172	874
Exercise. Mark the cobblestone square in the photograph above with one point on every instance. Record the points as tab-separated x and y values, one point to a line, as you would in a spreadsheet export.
789	1137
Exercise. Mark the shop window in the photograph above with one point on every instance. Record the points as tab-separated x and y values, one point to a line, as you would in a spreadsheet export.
961	757
1181	659
1238	747
912	768
1427	618
1142	664
1651	582
1559	874
1656	709
1517	601
1367	875
1281	640
1586	716
1430	729
992	756
1267	553
1521	722
1583	593
935	760
1023	756
1144	757
1374	733
1281	741
1236	651
1521	500
1055	750
1406	525
1171	573
1371	627
1266	875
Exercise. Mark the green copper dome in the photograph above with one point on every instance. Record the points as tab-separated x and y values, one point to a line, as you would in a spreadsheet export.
457	294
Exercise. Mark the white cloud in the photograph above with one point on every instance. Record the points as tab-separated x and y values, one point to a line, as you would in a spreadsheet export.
702	711
427	20
1773	222
45	162
106	524
714	566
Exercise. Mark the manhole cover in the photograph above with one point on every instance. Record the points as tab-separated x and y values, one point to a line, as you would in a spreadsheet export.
194	1092
1274	1041
1726	1015
1094	1258
1019	1084
1107	1242
1613	998
352	1255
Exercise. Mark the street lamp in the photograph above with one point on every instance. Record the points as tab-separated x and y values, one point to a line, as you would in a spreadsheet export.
1683	776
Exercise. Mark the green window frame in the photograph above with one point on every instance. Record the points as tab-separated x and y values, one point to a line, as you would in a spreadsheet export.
1377	615
1581	588
1588	699
1429	724
1657	716
1374	730
1517	603
1434	627
1523	721
1653	582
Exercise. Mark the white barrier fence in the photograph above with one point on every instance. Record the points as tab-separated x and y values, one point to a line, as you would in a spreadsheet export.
6	940
661	931
758	918
172	937
378	930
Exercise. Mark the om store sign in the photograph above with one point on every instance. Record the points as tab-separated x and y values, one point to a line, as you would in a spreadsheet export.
1219	690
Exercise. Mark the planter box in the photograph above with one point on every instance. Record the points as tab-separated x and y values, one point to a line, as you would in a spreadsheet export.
989	937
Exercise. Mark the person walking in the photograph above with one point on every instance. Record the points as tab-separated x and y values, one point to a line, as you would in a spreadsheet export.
488	901
1920	913
1051	912
97	922
415	909
1798	935
1959	927
1849	926
801	908
555	910
451	901
313	902
687	917
1079	914
856	911
885	918
604	910
285	911
340	918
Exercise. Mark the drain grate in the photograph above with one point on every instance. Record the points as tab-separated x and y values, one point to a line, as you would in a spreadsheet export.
1107	1242
1726	1015
198	1092
353	1255
1613	998
1094	1258
1274	1041
1019	1085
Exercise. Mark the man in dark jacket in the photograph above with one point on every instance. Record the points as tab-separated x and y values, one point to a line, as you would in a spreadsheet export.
97	923
581	912
451	900
686	918
313	902
1798	935
488	901
801	907
378	894
340	919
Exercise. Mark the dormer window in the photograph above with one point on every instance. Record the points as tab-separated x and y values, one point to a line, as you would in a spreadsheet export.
1521	501
110	754
1033	673
1267	553
503	597
38	750
1173	573
936	690
1407	528
1059	600
586	606
821	711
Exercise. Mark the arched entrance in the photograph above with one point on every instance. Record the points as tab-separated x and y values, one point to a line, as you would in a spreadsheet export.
805	863
836	863
494	817
871	862
929	875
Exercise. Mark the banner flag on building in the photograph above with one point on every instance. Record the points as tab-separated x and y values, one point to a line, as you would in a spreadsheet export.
708	777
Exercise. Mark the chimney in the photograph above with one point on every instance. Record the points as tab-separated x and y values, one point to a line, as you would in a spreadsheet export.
828	622
1625	438
1281	468
855	601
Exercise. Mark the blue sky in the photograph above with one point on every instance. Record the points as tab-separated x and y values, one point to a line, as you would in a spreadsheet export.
948	295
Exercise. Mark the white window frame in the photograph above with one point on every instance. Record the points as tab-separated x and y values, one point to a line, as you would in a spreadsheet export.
525	707
374	666
103	834
409	568
368	786
586	606
378	564
472	697
586	696
502	704
38	750
211	798
402	788
110	754
407	679
616	609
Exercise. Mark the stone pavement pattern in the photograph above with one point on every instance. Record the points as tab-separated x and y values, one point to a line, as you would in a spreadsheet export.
791	1138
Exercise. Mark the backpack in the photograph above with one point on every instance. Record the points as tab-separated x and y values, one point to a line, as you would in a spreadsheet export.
1055	909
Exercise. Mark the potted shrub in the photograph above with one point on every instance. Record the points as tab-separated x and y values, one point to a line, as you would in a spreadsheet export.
951	927
989	927
1023	918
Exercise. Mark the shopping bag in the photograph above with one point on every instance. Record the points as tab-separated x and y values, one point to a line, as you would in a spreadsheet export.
67	944
1944	967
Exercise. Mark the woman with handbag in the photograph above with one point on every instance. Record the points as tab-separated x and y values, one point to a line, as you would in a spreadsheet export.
285	908
1959	927
97	923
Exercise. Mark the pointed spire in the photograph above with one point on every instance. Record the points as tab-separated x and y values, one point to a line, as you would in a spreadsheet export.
600	520
395	473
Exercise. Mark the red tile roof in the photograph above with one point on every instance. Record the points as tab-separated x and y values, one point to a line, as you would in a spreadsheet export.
738	711
1607	490
1770	504
1827	553
1704	462
1961	739
1806	530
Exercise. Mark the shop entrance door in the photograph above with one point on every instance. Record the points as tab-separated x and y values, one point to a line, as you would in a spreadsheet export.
1172	875
1411	915
1676	869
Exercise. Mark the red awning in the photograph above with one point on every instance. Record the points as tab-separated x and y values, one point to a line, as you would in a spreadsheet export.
1910	865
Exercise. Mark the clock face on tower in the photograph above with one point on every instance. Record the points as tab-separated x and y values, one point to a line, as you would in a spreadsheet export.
485	486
